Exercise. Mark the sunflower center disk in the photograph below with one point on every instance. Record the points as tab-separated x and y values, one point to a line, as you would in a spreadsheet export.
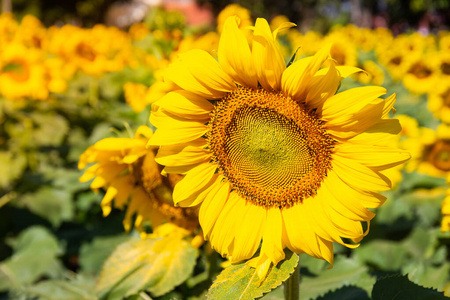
270	148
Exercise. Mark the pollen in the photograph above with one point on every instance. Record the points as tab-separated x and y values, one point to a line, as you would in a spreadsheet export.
272	149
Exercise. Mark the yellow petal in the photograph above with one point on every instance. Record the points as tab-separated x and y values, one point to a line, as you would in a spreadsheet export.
213	205
282	28
183	154
300	236
359	176
272	239
163	119
318	217
117	144
185	104
349	102
185	132
372	156
345	71
322	86
178	169
297	77
345	199
349	125
235	56
200	195
195	181
250	220
379	132
198	72
267	58
89	173
143	131
389	105
262	265
224	229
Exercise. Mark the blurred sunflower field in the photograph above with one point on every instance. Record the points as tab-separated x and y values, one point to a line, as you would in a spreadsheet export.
252	158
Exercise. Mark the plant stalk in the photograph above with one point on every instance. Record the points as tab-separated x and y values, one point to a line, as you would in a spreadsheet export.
292	285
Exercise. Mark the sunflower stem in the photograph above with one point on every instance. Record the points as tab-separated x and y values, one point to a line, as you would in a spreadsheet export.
292	285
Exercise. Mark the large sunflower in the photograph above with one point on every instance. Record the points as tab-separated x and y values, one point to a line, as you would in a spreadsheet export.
271	152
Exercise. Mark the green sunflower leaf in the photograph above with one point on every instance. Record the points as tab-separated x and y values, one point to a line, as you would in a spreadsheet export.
399	288
156	265
94	254
346	292
383	254
80	288
35	255
241	282
52	204
12	166
346	271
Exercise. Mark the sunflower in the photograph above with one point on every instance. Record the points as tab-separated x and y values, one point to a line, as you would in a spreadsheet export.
135	96
421	77
23	74
430	151
373	73
234	10
445	211
439	102
271	152
126	169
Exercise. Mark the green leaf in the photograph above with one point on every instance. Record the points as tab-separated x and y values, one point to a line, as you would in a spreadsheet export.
156	265
383	254
240	281
12	166
428	275
347	293
399	288
78	289
346	271
52	204
292	58
35	255
415	180
94	254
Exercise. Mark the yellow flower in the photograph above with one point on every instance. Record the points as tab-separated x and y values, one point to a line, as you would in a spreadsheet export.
242	13
136	96
343	50
32	33
271	152
445	211
439	102
363	38
138	31
444	41
373	73
126	169
430	151
410	126
207	42
421	77
8	28
308	44
277	21
94	51
23	74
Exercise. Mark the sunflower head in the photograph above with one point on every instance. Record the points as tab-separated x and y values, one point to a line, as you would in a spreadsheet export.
272	154
127	170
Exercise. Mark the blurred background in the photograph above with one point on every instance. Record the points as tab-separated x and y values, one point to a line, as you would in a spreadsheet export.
398	15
